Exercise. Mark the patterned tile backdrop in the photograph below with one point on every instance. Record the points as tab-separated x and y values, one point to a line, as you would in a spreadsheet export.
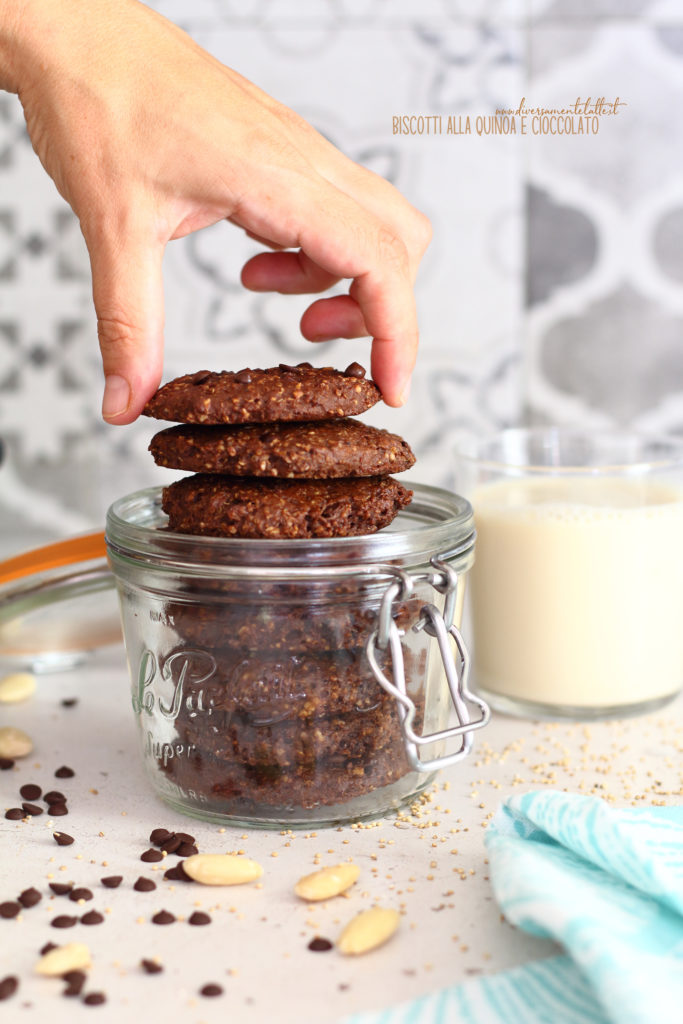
553	289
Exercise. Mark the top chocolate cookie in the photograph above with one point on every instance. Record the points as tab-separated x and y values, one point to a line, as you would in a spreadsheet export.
282	393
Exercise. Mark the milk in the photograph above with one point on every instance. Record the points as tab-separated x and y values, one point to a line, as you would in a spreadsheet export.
577	591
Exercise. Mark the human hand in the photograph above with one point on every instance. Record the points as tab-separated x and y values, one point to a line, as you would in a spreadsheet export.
148	137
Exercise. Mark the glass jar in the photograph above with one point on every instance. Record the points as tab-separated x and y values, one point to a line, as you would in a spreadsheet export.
578	585
296	682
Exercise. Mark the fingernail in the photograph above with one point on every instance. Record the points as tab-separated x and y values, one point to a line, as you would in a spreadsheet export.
405	394
116	396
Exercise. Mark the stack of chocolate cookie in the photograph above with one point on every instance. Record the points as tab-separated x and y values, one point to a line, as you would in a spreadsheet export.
288	715
275	454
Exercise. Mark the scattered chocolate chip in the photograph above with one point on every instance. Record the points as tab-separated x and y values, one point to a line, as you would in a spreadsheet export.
58	810
47	947
319	945
199	917
62	838
187	850
10	908
54	797
185	837
8	986
69	702
29	898
32	809
61	888
177	874
151	966
80	894
355	370
15	813
243	377
94	999
30	791
63	921
211	990
144	885
112	881
158	836
171	844
64	772
149	856
92	917
6	763
75	980
163	917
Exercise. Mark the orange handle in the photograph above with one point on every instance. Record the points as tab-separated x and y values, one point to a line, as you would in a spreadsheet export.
52	556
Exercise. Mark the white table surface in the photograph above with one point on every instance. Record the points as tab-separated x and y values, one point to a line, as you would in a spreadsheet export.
432	867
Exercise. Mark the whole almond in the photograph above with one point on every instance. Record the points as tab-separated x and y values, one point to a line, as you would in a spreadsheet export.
14	742
327	882
221	868
74	956
368	930
16	687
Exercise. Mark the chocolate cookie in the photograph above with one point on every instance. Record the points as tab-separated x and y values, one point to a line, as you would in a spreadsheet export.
282	393
231	787
329	448
223	506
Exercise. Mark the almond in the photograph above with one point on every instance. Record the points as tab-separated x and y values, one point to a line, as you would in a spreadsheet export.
221	868
327	882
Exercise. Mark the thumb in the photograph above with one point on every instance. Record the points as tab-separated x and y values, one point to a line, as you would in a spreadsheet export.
129	301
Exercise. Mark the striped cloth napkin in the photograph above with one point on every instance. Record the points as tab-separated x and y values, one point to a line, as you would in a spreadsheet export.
608	885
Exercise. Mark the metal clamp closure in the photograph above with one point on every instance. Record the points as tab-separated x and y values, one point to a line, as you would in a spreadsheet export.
439	626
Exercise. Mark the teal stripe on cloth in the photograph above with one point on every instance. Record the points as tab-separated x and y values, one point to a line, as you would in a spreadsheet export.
608	886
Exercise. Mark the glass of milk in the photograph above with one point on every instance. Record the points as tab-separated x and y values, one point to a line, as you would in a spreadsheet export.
576	594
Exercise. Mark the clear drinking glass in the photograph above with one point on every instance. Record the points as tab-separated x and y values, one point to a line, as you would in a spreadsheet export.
577	589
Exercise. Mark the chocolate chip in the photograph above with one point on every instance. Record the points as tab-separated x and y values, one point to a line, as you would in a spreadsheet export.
304	366
15	813
6	763
58	810
94	999
75	980
63	921
10	908
199	917
286	366
30	791
158	836
64	772
62	839
243	377
355	370
32	809
69	702
54	797
61	888
47	947
29	898
8	986
171	844
187	850
177	874
149	856
92	917
144	885
211	990
112	881
151	966
185	837
319	945
199	377
163	917
80	894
